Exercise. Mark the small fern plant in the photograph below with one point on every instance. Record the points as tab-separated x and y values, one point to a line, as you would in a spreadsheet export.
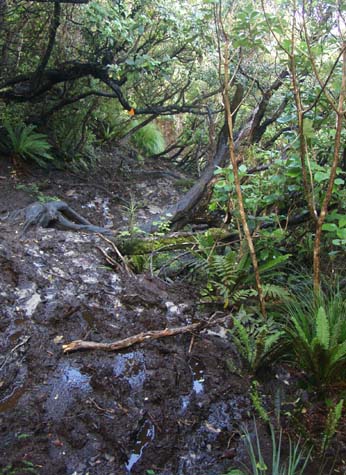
258	342
315	336
23	142
229	276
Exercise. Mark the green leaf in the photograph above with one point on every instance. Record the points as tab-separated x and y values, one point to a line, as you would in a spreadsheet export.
321	176
308	130
322	328
342	221
235	471
329	227
338	353
341	233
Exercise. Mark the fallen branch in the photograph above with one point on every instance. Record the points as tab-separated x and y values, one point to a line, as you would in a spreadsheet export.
130	341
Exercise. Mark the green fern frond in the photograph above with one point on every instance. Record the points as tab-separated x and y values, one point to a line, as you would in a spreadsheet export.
242	337
275	292
322	328
242	294
338	353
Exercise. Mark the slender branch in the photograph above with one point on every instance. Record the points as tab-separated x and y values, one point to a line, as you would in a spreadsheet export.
336	158
300	117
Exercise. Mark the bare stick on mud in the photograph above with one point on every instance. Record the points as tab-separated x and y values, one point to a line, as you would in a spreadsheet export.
132	340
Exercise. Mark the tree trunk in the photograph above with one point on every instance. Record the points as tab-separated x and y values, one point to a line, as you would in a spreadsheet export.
185	209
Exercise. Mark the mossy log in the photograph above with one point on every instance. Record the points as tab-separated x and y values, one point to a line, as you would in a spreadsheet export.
131	246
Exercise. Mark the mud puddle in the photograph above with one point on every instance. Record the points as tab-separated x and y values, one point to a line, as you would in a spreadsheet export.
145	435
66	385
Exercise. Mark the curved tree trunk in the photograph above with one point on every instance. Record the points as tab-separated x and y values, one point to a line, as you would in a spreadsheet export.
251	132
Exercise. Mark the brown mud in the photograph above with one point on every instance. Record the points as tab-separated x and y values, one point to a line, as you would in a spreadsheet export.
168	407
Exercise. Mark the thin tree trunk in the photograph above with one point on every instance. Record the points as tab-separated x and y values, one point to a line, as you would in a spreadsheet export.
55	23
336	157
237	183
300	115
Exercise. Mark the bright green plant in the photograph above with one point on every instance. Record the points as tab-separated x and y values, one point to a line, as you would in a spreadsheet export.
335	228
149	139
315	335
24	142
296	463
257	403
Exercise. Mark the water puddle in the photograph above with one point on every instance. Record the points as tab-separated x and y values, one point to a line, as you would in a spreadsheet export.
66	386
198	370
130	366
185	401
145	435
198	379
11	401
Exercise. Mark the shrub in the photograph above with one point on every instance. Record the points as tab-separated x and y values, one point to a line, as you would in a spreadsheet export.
149	139
258	342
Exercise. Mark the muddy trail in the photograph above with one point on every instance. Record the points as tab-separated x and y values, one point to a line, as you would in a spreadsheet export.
169	406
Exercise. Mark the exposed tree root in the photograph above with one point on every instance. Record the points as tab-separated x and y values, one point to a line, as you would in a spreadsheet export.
58	214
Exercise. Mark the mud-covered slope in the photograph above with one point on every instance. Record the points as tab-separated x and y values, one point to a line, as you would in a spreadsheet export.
157	406
170	405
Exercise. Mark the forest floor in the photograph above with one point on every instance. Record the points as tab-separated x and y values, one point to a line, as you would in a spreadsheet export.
165	407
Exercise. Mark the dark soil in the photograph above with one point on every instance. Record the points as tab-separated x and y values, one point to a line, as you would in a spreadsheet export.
169	406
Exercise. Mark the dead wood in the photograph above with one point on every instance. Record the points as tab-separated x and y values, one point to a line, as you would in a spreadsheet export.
138	245
130	341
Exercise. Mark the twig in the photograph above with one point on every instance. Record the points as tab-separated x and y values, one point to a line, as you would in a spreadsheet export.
118	253
130	341
191	343
140	337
